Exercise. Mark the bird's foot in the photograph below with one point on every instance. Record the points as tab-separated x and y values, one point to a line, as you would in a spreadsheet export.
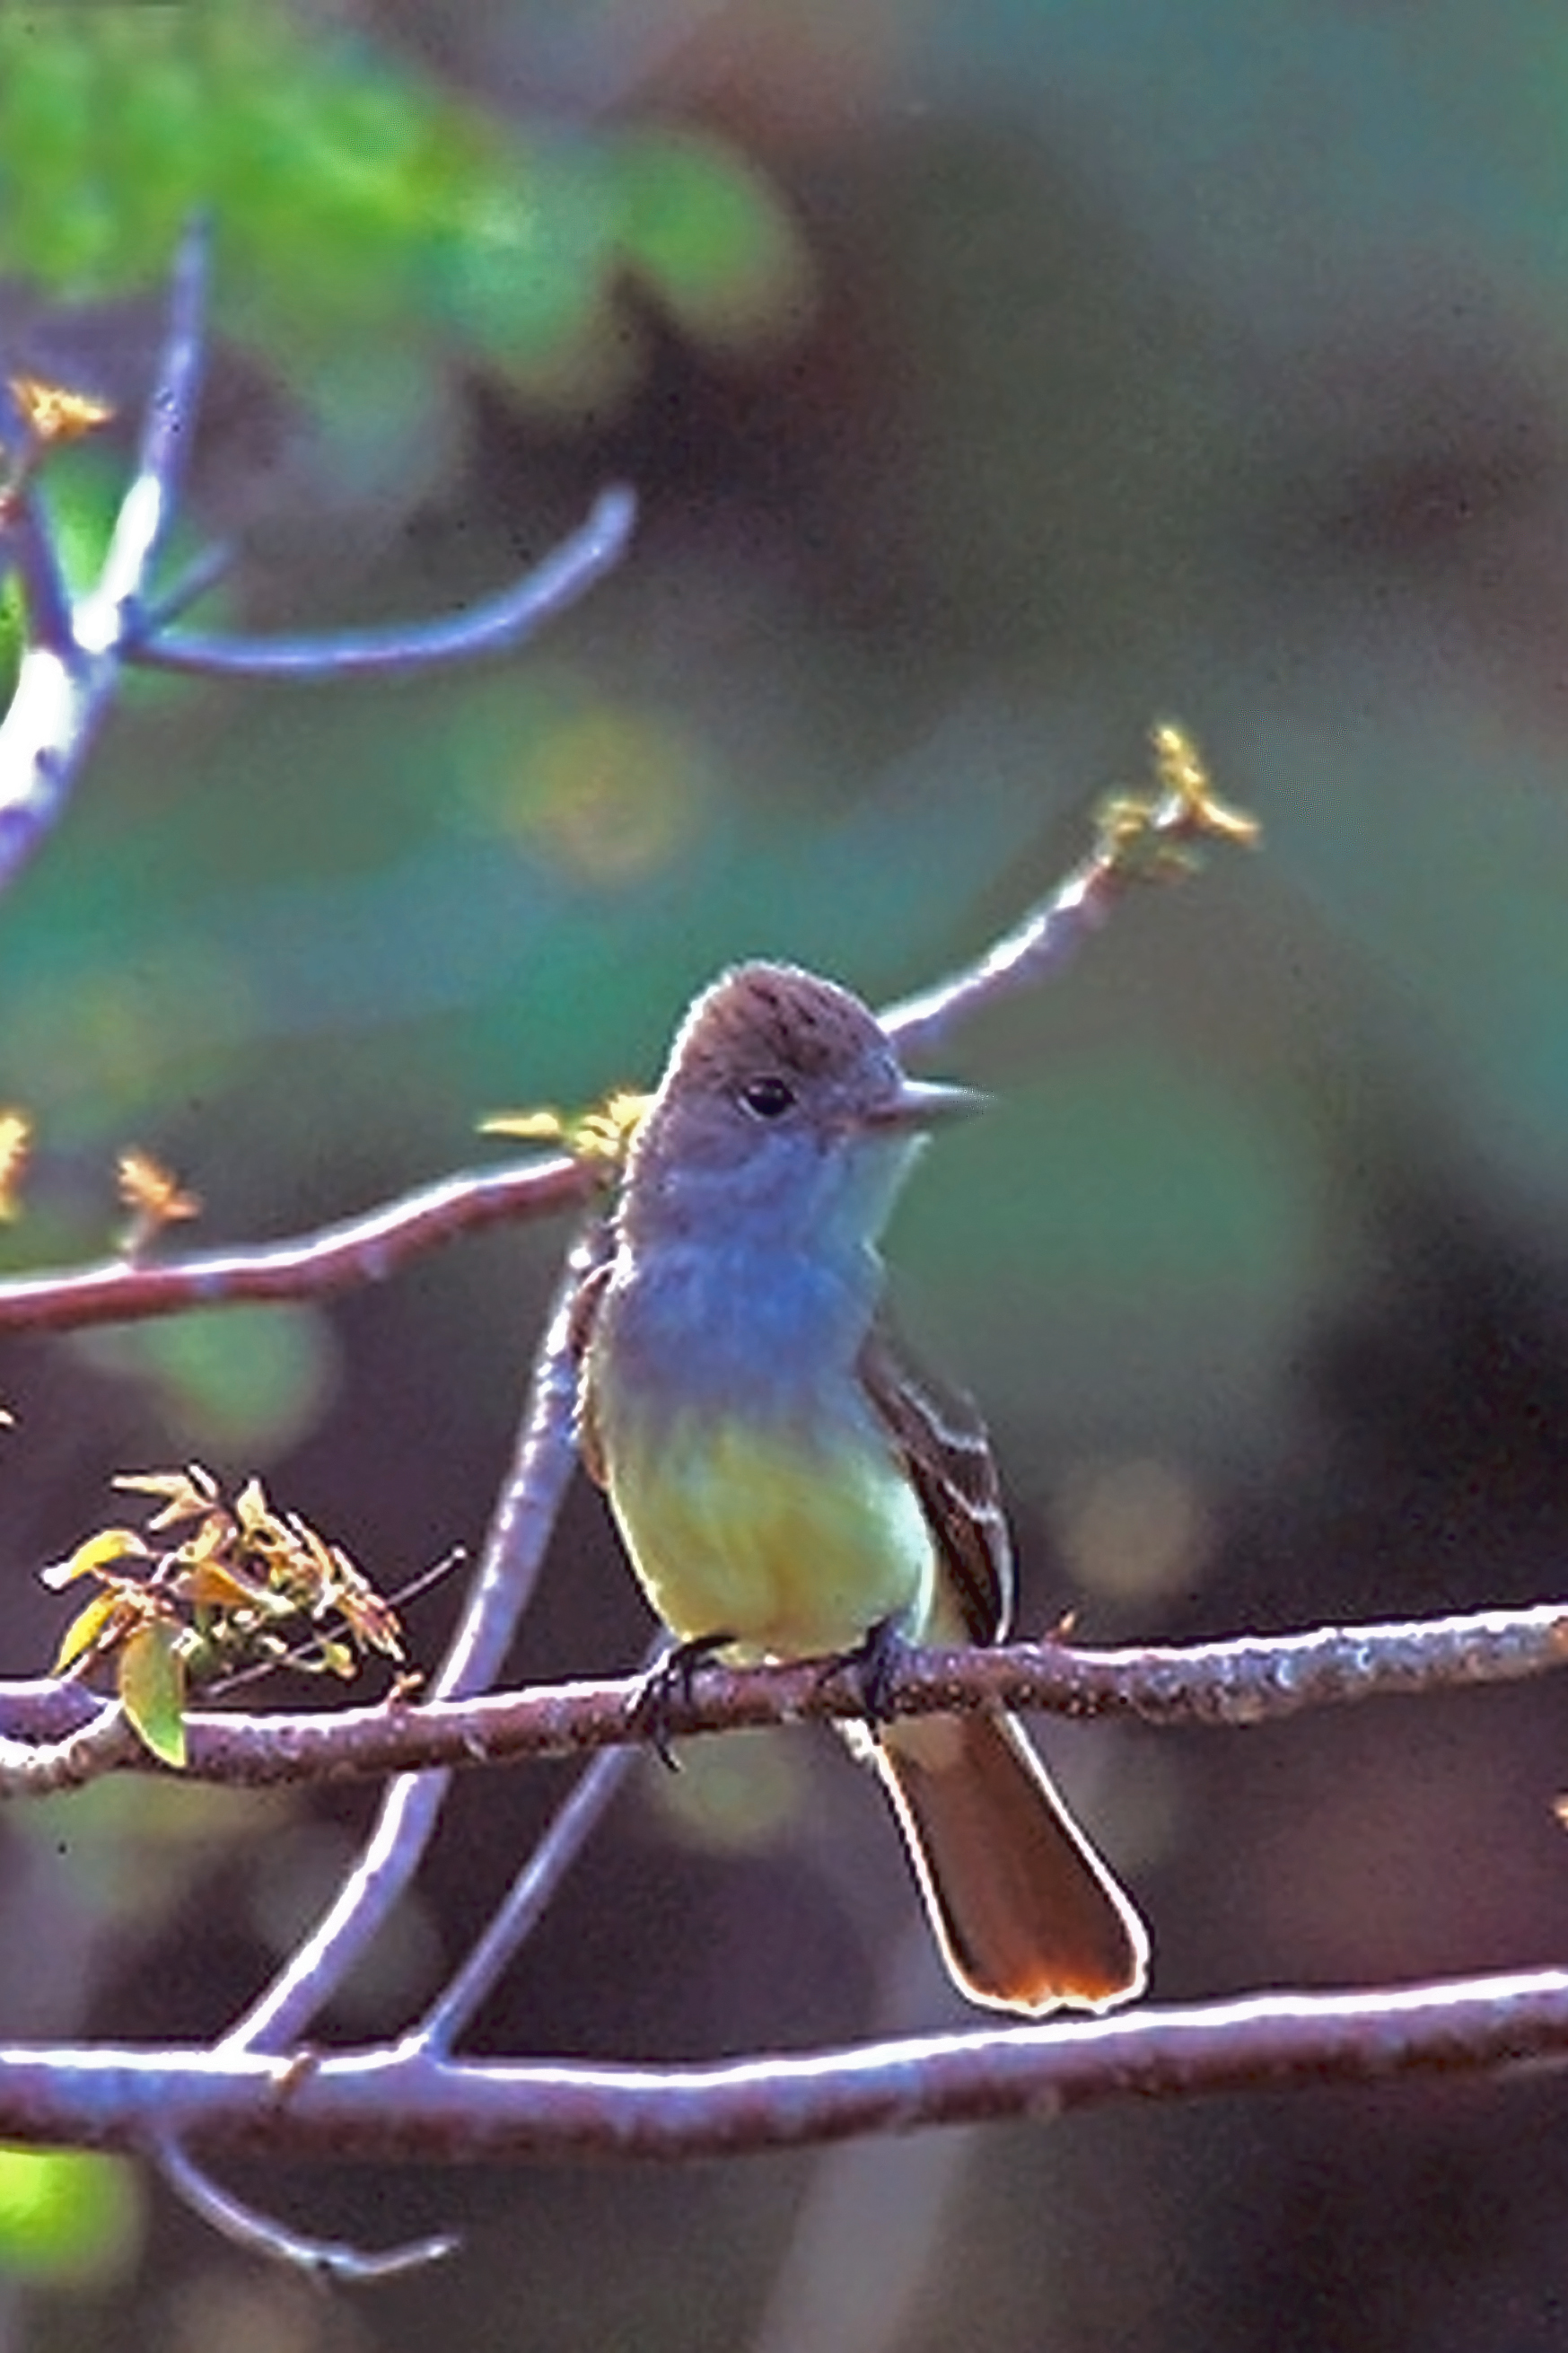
871	1666
668	1686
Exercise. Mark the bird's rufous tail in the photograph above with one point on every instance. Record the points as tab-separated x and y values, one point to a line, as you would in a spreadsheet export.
1027	1916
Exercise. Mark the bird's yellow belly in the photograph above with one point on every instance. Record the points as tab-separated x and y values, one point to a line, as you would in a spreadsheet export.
791	1546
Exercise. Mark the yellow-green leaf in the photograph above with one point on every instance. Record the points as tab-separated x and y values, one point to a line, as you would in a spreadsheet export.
152	1688
108	1545
85	1629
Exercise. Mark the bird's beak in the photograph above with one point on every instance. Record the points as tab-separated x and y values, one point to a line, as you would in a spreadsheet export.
927	1102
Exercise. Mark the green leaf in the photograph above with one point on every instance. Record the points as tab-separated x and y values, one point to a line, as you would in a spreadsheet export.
709	236
152	1689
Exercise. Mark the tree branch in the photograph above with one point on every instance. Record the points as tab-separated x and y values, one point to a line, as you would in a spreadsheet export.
1150	835
526	1901
74	654
71	663
1137	836
1259	1679
404	2105
513	1554
336	1258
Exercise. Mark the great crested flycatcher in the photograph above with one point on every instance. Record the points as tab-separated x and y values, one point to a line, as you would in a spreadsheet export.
786	1486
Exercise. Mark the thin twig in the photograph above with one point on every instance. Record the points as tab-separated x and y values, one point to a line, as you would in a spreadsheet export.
1048	935
498	625
148	506
525	1903
203	574
73	655
1153	833
261	2234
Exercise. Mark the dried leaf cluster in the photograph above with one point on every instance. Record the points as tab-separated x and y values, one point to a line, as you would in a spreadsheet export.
240	1587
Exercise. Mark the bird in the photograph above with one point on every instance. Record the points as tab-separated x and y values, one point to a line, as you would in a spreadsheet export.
787	1484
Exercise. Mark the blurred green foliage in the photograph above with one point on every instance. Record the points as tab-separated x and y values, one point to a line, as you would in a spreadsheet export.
359	203
68	2220
243	1382
12	623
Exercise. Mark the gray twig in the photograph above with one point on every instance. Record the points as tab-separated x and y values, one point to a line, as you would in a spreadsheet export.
498	625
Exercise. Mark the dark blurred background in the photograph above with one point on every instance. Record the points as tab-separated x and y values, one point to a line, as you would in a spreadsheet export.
993	381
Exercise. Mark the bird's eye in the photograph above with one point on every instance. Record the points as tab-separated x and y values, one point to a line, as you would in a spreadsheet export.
768	1098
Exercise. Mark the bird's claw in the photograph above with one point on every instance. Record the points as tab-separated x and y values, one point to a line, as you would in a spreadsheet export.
668	1687
871	1666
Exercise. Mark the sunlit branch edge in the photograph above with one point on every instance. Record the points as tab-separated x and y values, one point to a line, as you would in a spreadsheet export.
388	2105
1253	1680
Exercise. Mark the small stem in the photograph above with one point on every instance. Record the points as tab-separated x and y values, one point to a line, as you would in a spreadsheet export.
498	625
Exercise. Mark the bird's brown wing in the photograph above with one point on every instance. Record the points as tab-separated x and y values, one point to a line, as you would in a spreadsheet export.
939	1432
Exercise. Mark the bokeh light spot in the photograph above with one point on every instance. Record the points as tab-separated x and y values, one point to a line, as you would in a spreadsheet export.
1134	1530
608	797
